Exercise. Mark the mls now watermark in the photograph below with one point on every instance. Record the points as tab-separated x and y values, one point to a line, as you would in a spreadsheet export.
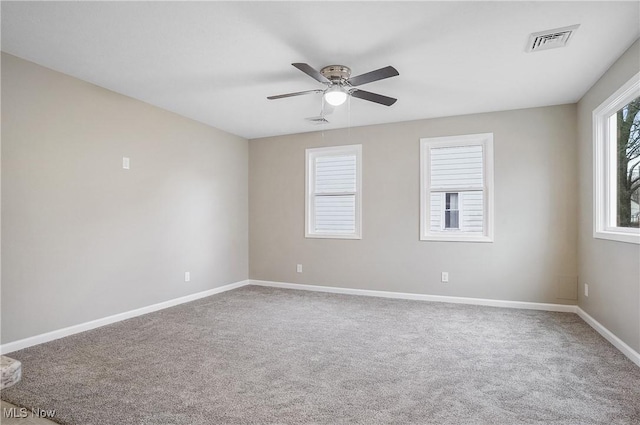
23	412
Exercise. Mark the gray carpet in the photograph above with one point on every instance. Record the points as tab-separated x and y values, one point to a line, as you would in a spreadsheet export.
271	356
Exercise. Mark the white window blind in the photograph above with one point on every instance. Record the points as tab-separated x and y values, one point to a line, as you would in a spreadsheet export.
456	188
471	211
456	167
333	192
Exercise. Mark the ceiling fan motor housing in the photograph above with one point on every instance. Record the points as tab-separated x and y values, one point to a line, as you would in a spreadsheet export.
336	73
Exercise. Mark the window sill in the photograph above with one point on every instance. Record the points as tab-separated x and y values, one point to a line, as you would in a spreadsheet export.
331	236
457	238
627	237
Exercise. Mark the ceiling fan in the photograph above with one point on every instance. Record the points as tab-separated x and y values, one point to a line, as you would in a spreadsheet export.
340	84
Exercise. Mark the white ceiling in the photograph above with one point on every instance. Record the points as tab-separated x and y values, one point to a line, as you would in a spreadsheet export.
216	62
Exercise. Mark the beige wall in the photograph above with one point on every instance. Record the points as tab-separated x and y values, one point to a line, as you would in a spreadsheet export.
612	269
533	257
84	239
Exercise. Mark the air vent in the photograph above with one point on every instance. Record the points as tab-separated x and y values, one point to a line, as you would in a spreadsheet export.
550	39
317	120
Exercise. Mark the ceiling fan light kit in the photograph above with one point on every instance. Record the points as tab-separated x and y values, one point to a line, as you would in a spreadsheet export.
340	84
335	96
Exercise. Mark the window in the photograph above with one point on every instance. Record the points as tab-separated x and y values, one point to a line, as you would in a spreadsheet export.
616	156
451	212
333	192
456	188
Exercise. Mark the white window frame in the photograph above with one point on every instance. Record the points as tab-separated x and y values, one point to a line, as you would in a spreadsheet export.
604	172
451	235
311	155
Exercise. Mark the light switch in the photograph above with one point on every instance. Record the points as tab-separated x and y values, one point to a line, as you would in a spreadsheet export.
125	162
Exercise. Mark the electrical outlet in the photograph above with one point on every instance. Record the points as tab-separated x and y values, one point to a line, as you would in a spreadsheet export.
299	268
187	276
125	162
586	290
445	277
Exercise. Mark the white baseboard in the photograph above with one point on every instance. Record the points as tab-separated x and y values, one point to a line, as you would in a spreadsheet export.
607	334
71	330
565	308
633	355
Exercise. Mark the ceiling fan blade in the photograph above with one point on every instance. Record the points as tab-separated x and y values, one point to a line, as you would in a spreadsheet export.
299	93
373	97
378	74
307	69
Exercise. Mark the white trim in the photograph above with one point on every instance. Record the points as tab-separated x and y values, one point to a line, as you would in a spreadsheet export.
426	144
633	355
310	155
72	330
566	308
604	202
458	236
